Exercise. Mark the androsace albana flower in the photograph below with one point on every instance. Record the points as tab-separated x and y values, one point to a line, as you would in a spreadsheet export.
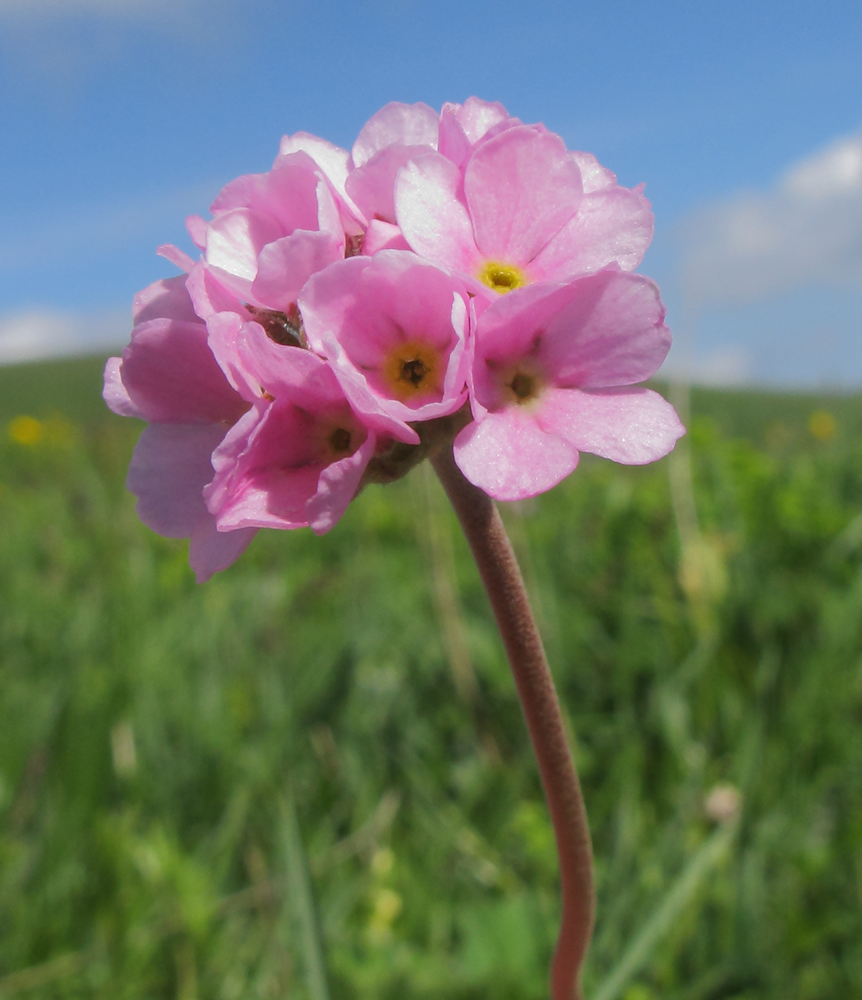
457	278
395	329
552	377
169	376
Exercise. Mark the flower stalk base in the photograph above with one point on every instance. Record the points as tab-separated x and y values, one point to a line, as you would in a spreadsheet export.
486	535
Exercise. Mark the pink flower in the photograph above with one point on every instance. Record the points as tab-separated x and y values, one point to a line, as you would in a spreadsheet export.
552	378
272	231
523	209
395	330
297	456
389	139
168	376
396	136
333	164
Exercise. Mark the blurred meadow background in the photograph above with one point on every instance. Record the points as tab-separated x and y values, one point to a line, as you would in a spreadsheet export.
309	778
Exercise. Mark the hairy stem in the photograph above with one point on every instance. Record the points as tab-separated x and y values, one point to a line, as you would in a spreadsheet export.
499	570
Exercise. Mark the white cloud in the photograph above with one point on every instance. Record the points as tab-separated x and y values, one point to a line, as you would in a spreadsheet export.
34	334
724	366
54	43
805	230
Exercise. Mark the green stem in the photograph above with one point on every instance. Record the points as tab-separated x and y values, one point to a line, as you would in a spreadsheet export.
481	523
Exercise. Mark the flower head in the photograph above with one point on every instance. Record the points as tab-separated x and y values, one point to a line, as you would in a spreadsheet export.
458	280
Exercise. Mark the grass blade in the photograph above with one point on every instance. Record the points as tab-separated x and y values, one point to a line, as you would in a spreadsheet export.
300	892
674	902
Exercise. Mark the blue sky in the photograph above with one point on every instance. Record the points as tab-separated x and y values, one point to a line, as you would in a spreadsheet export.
119	117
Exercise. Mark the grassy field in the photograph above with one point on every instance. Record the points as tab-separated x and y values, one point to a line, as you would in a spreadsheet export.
309	777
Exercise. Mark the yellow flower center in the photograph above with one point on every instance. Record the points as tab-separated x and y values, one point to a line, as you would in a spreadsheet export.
502	277
413	369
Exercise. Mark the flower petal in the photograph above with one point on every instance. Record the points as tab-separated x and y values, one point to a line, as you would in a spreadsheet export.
594	176
287	194
521	188
211	550
179	258
234	240
614	225
208	294
510	457
165	299
372	186
285	265
331	159
610	332
115	393
432	215
631	425
265	470
337	486
170	466
407	124
478	117
382	236
172	377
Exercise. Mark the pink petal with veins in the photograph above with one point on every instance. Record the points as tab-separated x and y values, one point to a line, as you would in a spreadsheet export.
630	425
477	117
521	188
611	226
594	176
208	295
510	457
360	310
169	469
285	265
337	486
452	141
114	392
433	216
611	332
605	329
268	468
167	299
211	550
333	162
372	186
177	257
224	331
287	194
234	240
383	236
196	227
405	124
172	377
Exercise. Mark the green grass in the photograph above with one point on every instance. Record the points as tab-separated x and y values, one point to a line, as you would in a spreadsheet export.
309	777
72	387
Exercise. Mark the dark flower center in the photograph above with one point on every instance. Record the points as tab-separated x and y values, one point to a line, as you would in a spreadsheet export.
523	386
340	439
414	371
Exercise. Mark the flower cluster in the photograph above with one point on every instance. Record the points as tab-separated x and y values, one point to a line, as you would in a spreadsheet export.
457	278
